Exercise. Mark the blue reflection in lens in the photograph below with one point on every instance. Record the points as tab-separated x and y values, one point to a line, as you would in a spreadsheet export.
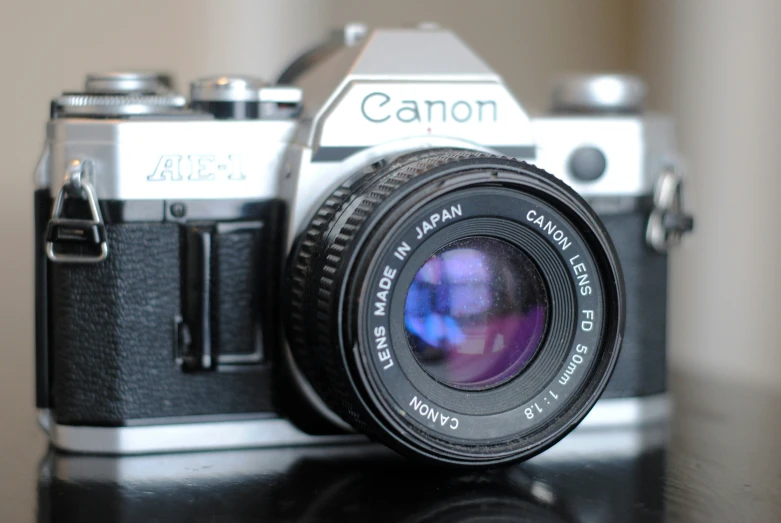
475	313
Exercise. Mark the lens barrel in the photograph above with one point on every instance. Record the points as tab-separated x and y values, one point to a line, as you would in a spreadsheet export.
458	306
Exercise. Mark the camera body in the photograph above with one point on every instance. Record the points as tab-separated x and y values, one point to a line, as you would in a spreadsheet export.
162	229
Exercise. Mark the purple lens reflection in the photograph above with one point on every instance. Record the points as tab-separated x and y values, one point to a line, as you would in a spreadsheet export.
475	313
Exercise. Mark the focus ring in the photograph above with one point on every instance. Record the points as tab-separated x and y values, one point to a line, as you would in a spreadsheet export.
299	275
314	272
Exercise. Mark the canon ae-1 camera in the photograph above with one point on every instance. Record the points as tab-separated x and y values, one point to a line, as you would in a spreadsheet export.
383	242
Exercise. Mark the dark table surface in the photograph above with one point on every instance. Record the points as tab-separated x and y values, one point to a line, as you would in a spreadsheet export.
717	459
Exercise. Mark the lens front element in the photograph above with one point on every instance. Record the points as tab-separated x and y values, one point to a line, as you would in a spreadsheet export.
475	313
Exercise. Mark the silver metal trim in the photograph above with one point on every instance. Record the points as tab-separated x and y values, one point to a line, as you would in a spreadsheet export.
89	104
161	469
619	414
281	94
165	159
127	82
42	176
147	439
339	153
226	88
636	148
615	412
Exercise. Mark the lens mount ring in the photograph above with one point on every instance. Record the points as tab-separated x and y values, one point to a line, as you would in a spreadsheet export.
334	276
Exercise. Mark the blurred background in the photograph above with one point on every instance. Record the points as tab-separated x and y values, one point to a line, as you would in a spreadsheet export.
713	63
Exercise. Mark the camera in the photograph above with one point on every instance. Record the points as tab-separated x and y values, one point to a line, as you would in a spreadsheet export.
371	245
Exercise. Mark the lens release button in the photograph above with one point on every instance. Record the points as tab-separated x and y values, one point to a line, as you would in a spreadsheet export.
587	164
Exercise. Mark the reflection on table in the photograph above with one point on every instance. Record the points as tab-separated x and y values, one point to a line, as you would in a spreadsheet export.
592	475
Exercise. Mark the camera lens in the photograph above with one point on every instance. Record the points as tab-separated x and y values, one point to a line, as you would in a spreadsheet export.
475	313
458	306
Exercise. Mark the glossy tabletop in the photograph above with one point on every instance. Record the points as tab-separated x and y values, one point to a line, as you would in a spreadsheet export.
717	459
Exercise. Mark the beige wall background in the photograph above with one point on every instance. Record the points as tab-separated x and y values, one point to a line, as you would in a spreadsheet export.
712	62
715	64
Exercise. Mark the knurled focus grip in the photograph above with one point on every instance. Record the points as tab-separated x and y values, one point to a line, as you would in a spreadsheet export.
317	265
